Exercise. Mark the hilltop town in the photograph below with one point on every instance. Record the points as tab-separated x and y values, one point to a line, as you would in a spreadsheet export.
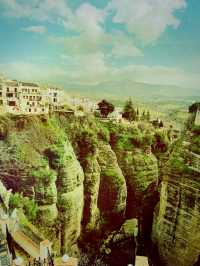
20	97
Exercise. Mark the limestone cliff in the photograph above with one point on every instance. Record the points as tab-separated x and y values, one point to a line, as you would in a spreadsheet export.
85	187
112	190
38	160
176	228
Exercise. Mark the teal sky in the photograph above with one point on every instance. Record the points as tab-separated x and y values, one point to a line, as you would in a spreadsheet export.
95	41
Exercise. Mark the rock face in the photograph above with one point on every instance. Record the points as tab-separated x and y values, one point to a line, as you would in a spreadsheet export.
176	228
91	213
83	196
105	191
120	247
141	172
37	160
70	197
112	190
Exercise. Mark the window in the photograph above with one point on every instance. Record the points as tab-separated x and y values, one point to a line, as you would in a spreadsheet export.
0	93
55	94
29	110
9	95
27	103
15	89
54	100
12	103
1	102
7	89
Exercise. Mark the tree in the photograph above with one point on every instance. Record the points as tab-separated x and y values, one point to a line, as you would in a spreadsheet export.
137	115
161	124
143	116
105	108
129	112
148	116
194	107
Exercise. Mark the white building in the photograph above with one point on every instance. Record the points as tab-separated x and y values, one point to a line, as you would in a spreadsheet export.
54	98
32	99
85	103
10	96
28	98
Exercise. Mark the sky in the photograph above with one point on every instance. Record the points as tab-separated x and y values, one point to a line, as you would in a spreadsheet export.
96	41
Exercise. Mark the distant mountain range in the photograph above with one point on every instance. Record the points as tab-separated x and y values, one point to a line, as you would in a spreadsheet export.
138	91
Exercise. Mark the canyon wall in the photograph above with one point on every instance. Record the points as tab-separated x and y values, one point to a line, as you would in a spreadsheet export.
176	227
85	188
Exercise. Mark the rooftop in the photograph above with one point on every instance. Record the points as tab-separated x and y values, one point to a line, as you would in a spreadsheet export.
11	83
28	84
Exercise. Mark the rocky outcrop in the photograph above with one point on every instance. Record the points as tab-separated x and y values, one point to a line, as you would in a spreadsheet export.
141	172
112	190
37	160
176	228
120	247
91	213
84	188
70	193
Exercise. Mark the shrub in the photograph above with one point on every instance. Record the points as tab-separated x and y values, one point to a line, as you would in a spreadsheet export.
148	139
196	130
45	176
15	201
29	206
137	140
103	134
54	155
86	143
160	142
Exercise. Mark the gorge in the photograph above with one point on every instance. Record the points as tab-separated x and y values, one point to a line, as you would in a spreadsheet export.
101	191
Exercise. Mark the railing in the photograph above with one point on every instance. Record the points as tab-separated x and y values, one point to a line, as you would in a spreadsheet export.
37	262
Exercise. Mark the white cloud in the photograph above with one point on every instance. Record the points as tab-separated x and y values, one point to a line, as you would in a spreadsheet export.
35	29
89	19
148	19
125	49
47	10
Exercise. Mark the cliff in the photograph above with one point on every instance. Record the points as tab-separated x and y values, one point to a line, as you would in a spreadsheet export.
176	227
81	182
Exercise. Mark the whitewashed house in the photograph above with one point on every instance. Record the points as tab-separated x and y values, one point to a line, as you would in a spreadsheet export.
86	104
55	98
32	99
10	96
